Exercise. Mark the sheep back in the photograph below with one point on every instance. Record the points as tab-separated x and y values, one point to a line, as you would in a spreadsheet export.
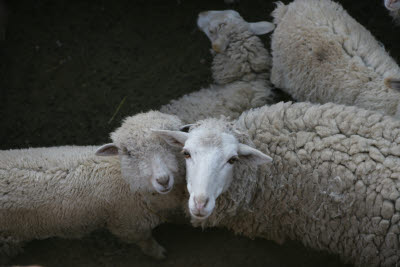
334	183
321	54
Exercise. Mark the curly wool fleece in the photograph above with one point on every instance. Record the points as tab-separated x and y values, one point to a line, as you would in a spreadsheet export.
333	185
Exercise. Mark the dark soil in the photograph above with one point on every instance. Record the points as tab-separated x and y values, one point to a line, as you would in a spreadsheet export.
66	66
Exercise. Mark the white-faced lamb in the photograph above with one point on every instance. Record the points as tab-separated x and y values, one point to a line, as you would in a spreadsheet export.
69	191
333	184
241	69
321	54
394	7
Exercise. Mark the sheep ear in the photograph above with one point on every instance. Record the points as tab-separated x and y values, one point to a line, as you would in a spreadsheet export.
185	128
173	138
107	150
262	27
253	155
393	83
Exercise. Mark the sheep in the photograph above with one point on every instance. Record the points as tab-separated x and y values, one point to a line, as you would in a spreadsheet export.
321	54
240	69
69	191
394	7
333	185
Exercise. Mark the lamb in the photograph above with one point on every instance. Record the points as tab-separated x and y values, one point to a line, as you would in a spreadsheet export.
240	69
68	191
333	185
321	54
394	7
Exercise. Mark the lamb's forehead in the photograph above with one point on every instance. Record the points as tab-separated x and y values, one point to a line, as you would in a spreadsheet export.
211	133
212	18
137	130
209	139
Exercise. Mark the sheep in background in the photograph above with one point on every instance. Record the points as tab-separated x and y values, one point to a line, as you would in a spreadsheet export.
321	54
394	7
69	191
333	185
240	69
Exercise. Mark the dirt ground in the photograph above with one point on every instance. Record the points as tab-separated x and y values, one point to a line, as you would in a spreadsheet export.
66	66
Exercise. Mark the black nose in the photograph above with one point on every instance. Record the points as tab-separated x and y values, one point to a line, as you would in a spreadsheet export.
163	180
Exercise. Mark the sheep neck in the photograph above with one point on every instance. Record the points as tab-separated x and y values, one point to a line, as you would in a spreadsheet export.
245	59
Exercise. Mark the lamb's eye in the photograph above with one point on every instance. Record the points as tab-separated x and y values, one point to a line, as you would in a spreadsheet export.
186	154
232	160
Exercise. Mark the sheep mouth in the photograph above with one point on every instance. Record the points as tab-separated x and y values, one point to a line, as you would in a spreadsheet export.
165	190
199	215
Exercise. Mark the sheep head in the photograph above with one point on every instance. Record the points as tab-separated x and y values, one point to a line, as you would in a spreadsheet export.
147	162
223	26
211	151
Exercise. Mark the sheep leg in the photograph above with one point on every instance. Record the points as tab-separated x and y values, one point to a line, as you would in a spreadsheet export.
137	229
144	240
151	247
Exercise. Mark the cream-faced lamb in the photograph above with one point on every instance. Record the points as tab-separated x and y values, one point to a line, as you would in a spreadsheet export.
333	184
241	69
394	7
321	54
69	191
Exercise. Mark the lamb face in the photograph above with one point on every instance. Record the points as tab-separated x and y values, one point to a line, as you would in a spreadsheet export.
147	162
222	27
392	5
211	153
210	159
152	169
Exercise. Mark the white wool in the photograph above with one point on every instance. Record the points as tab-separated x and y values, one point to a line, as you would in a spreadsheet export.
321	54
